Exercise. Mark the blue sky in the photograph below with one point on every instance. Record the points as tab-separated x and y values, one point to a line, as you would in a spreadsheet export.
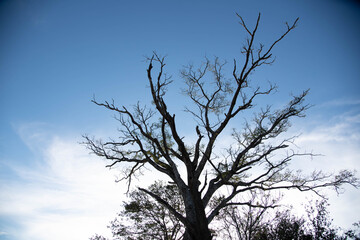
55	55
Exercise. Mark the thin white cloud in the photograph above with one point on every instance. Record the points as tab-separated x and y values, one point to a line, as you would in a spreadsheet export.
341	102
68	194
337	139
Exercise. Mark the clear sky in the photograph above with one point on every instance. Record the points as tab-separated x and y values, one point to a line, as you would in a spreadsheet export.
55	55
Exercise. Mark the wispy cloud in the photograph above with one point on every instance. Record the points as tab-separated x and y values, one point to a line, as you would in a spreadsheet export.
337	139
341	102
342	129
67	194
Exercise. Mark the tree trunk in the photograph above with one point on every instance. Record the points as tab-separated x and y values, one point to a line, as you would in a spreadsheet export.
195	211
199	231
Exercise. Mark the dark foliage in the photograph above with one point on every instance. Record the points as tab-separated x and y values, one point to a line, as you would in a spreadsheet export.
316	226
142	218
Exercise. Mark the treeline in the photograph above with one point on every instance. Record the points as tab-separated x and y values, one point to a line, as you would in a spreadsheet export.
142	218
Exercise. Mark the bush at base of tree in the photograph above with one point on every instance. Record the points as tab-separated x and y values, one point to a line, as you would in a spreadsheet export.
145	219
317	226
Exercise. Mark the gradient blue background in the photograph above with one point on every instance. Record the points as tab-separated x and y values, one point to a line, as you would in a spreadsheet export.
55	55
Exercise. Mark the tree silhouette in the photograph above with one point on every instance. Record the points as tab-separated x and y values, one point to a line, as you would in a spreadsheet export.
149	136
246	222
142	218
317	226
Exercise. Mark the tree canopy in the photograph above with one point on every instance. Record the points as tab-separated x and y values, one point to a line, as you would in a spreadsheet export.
142	218
256	160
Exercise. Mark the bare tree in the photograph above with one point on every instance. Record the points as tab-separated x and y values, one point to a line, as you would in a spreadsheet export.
149	136
246	221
